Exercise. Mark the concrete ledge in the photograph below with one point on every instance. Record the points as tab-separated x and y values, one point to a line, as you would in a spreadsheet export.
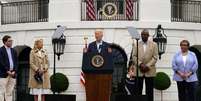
100	24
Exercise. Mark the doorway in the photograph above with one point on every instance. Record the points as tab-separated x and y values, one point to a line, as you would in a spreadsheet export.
22	90
197	50
120	70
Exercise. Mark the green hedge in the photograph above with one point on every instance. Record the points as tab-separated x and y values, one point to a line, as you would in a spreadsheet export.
59	82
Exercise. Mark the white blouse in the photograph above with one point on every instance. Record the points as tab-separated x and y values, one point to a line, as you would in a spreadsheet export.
184	59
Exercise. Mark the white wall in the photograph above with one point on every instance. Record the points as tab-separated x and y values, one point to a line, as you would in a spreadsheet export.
72	66
64	10
149	10
155	10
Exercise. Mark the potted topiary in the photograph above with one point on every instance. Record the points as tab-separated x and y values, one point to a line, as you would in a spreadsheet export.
162	82
59	83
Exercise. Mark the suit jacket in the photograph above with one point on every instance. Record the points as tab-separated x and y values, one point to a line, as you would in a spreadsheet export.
4	61
191	65
149	57
38	61
93	47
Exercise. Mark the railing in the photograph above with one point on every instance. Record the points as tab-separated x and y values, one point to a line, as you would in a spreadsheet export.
186	11
120	6
24	12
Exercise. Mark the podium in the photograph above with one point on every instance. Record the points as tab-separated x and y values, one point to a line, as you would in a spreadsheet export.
97	63
121	97
98	69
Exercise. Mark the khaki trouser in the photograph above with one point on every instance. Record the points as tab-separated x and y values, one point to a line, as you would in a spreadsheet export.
6	88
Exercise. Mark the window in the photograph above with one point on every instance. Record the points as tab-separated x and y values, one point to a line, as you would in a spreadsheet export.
24	11
43	9
110	10
186	11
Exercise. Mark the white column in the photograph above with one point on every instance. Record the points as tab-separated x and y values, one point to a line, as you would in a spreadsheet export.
64	10
0	12
155	10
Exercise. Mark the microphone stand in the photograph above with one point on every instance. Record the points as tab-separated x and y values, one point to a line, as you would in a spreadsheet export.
137	67
135	35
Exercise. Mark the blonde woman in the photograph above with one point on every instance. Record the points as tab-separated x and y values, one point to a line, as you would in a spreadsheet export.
39	81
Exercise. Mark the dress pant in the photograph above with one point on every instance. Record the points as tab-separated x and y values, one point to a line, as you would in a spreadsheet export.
6	88
186	90
98	87
149	83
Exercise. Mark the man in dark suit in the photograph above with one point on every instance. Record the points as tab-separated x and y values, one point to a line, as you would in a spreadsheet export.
8	66
99	45
98	86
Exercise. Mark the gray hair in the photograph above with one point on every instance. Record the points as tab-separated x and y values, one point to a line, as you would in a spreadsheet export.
145	31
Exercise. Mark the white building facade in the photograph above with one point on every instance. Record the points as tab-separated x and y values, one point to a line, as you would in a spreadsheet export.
148	14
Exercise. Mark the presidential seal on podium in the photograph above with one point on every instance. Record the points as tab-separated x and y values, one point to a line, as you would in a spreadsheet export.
97	61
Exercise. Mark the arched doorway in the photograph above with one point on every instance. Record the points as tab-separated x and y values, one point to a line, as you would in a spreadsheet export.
197	50
22	90
120	68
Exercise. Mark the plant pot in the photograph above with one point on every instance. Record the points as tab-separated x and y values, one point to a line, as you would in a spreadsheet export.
24	97
60	97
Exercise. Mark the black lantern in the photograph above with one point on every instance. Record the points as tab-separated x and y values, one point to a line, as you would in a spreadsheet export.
161	39
59	46
58	42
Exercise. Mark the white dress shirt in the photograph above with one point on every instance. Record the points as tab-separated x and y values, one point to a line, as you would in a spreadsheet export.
144	46
98	44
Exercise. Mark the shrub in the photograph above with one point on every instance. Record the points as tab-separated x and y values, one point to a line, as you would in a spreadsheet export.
59	82
162	81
